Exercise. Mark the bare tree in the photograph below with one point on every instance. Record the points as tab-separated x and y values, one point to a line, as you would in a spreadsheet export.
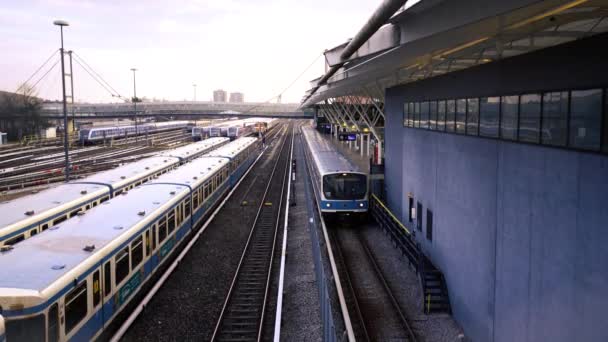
22	112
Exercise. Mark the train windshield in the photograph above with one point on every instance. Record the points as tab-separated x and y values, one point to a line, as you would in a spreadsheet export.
344	186
26	329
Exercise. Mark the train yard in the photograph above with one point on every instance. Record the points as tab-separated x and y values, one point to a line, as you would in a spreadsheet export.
224	281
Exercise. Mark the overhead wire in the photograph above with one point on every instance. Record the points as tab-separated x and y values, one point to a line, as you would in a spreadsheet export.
117	94
94	78
289	86
37	70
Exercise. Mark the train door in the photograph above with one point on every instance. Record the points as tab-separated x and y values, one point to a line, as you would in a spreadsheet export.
96	292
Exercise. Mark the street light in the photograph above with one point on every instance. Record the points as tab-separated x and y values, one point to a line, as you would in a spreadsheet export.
194	85
61	24
135	104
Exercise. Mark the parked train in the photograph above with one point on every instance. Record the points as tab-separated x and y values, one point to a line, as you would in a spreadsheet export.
27	216
71	282
92	135
340	186
233	129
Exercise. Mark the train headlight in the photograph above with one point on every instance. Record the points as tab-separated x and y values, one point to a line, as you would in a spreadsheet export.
361	205
328	205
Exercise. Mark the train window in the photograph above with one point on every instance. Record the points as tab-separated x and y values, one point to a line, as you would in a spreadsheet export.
137	252
509	109
489	112
153	237
117	193
529	118
53	320
171	222
162	230
187	208
344	186
429	225
75	306
96	289
45	226
585	119
26	329
450	118
74	213
122	265
107	279
104	199
461	115
59	220
473	116
419	216
147	242
555	119
33	232
14	240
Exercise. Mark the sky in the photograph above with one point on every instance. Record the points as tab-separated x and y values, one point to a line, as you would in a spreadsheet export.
257	47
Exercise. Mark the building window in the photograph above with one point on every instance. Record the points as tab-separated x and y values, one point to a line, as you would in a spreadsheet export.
433	115
585	119
605	140
450	119
441	116
429	225
410	211
529	118
417	114
508	118
461	116
411	114
473	116
489	111
419	216
424	115
555	118
405	117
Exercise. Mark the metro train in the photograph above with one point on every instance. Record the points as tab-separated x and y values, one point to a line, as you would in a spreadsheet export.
27	216
71	282
340	186
92	135
200	133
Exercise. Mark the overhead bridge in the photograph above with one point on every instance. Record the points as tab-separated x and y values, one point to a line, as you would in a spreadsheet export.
184	110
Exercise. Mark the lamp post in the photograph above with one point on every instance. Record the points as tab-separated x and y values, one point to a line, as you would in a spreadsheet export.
194	86
135	104
61	24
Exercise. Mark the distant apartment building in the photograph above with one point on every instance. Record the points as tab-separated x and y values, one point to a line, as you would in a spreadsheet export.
219	95
237	97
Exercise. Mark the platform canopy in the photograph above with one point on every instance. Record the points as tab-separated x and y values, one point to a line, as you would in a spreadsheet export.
435	37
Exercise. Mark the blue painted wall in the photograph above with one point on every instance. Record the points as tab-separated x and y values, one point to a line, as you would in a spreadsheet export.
520	231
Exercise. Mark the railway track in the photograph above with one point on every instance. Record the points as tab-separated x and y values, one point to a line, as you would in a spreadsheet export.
243	313
374	311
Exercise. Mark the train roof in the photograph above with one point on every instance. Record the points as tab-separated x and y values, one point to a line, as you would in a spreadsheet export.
231	149
127	173
15	210
185	151
38	262
326	156
195	173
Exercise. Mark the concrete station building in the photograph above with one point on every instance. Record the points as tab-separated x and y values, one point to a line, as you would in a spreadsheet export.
496	135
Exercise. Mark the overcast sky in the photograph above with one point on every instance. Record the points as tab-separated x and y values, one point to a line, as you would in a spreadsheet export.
254	46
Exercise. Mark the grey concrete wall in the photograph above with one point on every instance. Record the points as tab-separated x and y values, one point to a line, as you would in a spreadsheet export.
520	231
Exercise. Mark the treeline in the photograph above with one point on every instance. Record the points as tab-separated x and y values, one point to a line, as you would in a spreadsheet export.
21	114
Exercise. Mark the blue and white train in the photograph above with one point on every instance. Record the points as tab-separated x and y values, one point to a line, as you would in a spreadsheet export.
27	216
340	186
91	135
70	283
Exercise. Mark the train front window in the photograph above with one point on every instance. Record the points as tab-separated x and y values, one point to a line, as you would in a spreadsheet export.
26	329
344	186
